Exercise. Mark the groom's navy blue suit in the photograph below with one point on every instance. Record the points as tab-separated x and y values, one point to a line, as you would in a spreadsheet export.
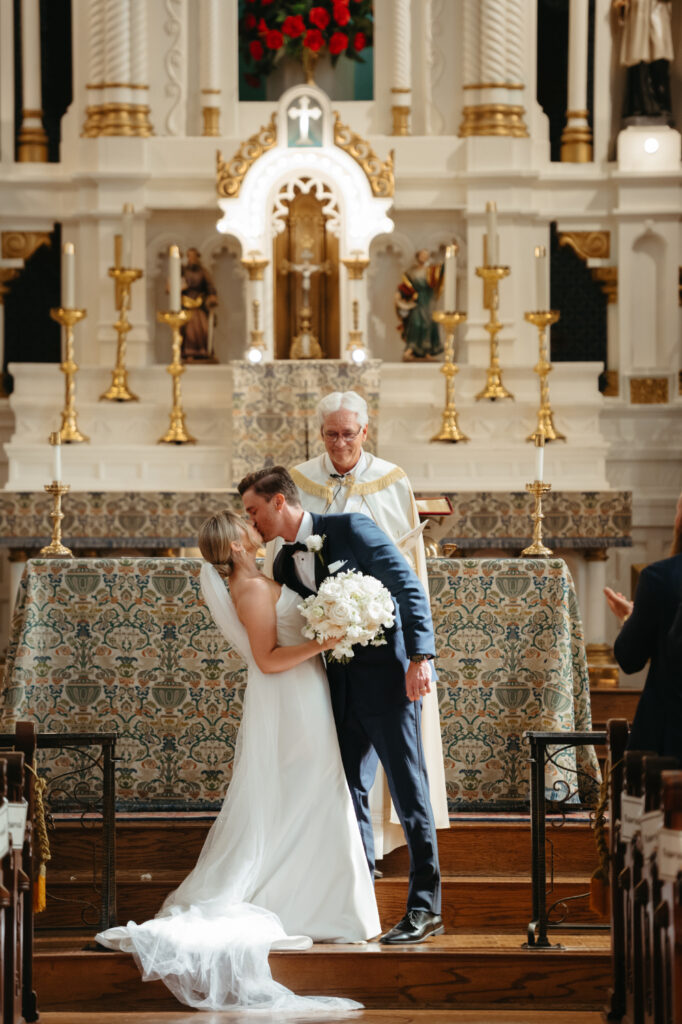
374	717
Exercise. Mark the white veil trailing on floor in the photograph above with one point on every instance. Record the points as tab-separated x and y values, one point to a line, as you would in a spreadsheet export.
209	944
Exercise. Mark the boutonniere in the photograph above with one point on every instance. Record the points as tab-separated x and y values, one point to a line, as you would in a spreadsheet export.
314	543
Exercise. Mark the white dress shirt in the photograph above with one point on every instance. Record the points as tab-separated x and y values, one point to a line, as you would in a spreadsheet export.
304	561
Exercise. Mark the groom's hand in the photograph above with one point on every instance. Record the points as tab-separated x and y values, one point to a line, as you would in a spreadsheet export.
417	679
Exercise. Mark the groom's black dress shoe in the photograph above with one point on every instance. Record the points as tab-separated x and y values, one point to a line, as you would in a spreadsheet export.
416	926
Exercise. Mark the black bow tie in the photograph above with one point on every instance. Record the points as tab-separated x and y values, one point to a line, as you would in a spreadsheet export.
296	546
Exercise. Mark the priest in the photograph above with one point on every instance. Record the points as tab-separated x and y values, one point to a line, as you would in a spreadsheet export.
346	478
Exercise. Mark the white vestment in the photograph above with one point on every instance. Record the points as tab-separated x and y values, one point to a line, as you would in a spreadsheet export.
647	33
380	490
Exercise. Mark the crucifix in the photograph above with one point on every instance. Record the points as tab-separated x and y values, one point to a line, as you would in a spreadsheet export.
304	114
305	345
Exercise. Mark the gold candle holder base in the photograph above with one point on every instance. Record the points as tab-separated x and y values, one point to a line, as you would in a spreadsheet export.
449	430
119	391
69	432
494	388
537	549
55	549
543	319
177	433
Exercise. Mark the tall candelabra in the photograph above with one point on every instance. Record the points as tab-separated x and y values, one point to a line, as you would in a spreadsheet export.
119	391
537	548
177	433
69	432
494	388
449	430
543	319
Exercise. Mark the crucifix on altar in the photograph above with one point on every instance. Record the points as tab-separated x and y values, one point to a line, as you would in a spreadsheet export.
302	115
304	344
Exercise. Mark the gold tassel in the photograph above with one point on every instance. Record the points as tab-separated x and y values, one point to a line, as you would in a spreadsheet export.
40	890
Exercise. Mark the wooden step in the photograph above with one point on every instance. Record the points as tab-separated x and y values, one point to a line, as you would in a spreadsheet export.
471	846
470	902
445	972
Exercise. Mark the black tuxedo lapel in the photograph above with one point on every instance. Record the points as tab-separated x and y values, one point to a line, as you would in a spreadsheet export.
321	557
284	571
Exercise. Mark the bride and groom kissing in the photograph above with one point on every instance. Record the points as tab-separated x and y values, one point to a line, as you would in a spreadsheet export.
290	858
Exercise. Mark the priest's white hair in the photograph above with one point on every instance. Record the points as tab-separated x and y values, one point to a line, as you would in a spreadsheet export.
349	400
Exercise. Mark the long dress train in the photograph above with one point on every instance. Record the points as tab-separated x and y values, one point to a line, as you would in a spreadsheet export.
283	864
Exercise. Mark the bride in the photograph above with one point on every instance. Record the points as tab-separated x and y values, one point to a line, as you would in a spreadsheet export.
283	865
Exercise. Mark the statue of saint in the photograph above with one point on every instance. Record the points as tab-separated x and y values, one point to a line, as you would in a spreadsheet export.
197	333
415	300
646	49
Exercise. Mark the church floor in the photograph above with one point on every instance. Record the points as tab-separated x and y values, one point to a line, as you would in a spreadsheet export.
365	1017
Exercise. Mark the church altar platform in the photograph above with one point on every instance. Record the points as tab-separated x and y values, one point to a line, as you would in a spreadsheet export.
127	645
480	520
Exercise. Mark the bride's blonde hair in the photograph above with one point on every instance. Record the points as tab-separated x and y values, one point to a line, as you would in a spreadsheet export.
216	536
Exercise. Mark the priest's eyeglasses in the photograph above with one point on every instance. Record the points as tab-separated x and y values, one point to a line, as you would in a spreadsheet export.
347	437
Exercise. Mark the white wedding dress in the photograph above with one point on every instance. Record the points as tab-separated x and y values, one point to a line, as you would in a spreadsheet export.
283	864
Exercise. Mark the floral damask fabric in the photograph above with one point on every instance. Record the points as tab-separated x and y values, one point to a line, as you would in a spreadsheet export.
128	646
274	420
510	658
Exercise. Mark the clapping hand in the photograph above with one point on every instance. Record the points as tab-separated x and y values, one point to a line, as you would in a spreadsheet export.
618	603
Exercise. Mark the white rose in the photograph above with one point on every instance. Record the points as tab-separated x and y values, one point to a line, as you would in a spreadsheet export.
314	542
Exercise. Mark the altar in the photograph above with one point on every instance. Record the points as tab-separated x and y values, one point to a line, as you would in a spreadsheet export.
128	646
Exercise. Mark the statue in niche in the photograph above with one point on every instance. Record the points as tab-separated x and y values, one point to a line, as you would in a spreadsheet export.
646	50
305	345
198	332
415	300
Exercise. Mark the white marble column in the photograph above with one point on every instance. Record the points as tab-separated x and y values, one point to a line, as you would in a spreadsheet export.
494	57
32	140
210	54
603	668
401	72
259	347
576	139
356	291
118	88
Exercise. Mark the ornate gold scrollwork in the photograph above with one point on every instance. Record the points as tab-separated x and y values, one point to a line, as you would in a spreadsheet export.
587	245
19	245
229	175
379	173
607	279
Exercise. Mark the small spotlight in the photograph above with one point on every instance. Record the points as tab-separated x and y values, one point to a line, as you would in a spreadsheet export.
254	355
651	145
358	355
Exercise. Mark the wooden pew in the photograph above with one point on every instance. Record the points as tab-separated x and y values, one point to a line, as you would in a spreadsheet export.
647	891
616	738
668	913
5	894
632	808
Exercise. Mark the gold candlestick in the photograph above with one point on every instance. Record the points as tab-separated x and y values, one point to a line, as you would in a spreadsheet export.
177	433
542	320
449	430
119	390
537	548
55	549
69	432
494	388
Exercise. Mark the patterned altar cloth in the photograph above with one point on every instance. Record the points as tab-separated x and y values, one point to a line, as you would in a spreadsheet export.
127	645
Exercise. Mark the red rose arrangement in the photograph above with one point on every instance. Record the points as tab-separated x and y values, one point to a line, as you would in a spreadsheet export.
272	29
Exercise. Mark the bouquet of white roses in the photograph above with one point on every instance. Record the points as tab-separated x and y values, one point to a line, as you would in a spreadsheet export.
354	607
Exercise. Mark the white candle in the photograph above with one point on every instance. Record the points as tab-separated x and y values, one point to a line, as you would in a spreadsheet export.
450	279
539	456
541	279
174	277
128	235
493	246
55	443
68	276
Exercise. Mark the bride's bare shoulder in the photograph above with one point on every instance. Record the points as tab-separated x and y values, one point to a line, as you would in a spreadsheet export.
255	593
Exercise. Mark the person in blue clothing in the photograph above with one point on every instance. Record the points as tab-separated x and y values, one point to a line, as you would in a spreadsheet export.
650	631
376	697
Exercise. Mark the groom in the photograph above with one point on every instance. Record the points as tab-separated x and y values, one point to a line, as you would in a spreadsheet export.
376	697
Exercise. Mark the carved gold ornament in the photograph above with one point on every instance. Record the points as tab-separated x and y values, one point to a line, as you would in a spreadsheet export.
493	119
19	245
648	390
588	245
612	389
229	176
379	173
607	279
